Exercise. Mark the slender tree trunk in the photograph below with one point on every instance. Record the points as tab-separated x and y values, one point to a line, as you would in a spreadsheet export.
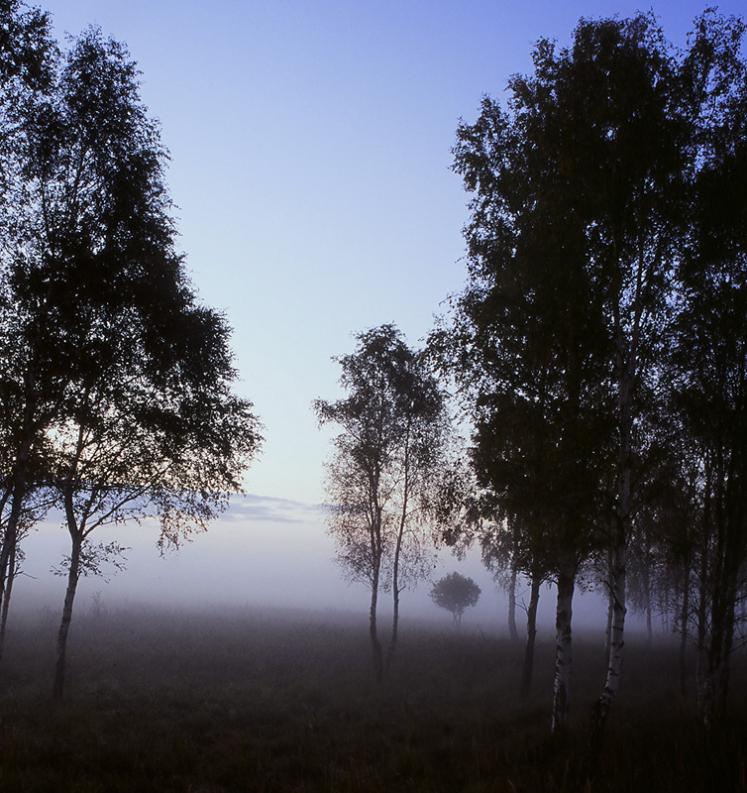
703	592
618	569
19	484
608	629
397	555
512	631
67	615
615	658
684	620
9	579
649	626
526	676
14	518
725	670
563	647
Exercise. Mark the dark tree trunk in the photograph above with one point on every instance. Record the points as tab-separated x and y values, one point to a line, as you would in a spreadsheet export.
67	615
10	577
396	565
703	593
684	620
526	676
512	630
563	647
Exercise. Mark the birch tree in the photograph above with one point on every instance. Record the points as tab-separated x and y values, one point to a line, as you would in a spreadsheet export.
710	357
525	342
392	447
117	380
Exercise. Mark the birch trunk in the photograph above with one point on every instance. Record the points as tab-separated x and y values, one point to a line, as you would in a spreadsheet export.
608	629
563	648
67	615
512	631
617	629
398	553
526	676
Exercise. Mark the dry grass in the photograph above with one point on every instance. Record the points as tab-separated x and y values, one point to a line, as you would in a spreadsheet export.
260	702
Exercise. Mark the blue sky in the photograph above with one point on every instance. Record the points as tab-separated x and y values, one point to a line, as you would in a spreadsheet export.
310	146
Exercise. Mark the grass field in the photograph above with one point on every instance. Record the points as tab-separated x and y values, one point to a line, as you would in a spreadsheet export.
249	701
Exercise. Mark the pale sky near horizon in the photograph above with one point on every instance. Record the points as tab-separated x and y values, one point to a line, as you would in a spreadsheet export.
310	146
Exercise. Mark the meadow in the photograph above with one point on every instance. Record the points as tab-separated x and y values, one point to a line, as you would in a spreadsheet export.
263	701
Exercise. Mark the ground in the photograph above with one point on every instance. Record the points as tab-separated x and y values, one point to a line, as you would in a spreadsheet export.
270	701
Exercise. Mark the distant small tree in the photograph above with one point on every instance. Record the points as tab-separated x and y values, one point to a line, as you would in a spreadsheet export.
455	593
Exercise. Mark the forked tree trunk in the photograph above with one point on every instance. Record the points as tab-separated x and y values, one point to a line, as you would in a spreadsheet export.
67	615
526	676
512	631
563	647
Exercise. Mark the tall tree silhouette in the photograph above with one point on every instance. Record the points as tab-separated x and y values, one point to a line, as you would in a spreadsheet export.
526	343
120	380
388	457
710	354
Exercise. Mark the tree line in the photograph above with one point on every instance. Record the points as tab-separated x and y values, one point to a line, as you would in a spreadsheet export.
599	349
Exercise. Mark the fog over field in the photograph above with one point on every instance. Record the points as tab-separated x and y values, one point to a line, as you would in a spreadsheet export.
263	552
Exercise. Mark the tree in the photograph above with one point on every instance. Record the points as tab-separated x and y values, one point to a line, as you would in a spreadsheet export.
120	381
526	342
455	593
709	361
26	56
392	447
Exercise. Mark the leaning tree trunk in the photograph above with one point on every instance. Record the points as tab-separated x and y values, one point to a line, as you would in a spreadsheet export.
14	518
513	633
10	577
526	676
563	648
67	615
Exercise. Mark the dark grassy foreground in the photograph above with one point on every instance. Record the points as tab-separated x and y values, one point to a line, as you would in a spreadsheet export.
251	702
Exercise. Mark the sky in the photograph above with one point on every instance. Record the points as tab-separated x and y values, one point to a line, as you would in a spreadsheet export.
310	148
310	162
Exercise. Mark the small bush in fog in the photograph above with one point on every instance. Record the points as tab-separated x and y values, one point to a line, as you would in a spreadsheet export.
455	593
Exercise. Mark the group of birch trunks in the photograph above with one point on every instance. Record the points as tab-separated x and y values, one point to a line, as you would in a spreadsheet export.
600	345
